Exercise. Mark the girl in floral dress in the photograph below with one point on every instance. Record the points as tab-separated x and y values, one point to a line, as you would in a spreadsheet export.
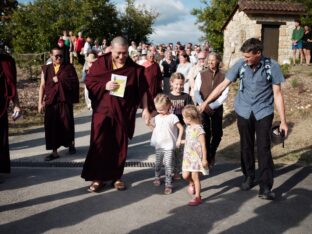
193	161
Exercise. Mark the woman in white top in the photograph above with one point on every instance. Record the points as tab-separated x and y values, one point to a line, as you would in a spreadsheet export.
184	67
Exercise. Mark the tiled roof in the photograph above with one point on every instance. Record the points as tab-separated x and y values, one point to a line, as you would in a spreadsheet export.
270	6
267	8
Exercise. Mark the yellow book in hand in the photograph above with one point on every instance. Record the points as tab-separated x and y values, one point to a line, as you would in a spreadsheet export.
122	81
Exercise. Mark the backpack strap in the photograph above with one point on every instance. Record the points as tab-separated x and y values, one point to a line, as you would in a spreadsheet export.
267	69
242	76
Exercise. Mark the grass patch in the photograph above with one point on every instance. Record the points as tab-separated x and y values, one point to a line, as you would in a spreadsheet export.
285	70
294	83
20	126
32	118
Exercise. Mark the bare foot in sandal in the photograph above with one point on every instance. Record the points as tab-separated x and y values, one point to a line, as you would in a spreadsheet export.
119	185
157	182
96	186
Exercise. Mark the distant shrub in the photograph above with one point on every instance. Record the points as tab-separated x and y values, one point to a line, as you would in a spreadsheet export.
294	83
31	63
285	70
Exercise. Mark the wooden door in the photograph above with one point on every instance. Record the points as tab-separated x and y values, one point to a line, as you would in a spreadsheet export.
270	39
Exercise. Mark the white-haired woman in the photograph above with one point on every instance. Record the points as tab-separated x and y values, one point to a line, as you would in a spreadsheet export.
206	81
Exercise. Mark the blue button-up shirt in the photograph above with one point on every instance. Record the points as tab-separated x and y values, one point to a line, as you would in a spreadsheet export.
256	93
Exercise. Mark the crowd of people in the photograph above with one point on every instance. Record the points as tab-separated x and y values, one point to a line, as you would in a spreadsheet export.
181	90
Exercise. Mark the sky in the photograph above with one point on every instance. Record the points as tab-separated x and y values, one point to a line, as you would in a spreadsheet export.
174	23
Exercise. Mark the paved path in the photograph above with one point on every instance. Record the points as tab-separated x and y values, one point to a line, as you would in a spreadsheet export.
54	200
30	147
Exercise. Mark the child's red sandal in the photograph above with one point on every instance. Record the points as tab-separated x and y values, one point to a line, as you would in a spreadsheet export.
195	201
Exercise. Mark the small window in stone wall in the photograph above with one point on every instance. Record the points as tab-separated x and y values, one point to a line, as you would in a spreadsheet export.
242	36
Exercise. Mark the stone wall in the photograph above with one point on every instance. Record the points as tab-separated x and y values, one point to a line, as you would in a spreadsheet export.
243	26
284	51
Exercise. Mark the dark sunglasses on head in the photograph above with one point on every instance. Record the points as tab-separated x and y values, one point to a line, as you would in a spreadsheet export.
58	56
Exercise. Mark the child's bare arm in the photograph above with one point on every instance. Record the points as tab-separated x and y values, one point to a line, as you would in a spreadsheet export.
181	130
202	142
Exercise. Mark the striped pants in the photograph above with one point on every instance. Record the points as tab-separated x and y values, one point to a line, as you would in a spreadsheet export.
164	157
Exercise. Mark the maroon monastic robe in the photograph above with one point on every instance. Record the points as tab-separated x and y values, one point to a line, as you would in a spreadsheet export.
7	94
59	98
113	118
154	78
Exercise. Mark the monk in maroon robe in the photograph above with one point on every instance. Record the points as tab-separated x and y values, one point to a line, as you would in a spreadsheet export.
59	90
7	93
154	79
113	116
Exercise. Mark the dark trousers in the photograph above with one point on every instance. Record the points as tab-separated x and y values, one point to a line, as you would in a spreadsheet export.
213	129
248	128
166	88
81	58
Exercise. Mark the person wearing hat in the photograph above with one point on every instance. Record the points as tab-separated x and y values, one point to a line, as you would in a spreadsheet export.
58	91
254	105
8	93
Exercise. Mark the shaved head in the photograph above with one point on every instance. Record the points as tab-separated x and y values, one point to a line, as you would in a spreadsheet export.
119	41
119	50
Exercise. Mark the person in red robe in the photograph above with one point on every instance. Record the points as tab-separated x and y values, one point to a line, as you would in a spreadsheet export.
58	91
154	78
8	93
113	118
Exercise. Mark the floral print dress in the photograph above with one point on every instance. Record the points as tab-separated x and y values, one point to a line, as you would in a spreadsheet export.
192	157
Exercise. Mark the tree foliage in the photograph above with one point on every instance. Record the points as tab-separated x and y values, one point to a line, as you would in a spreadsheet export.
212	17
7	7
306	19
36	26
6	10
136	21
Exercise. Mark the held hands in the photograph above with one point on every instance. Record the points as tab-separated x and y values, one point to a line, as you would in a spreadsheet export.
179	143
201	107
151	123
111	85
146	116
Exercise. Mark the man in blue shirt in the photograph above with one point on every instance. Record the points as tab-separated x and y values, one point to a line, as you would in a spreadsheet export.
260	87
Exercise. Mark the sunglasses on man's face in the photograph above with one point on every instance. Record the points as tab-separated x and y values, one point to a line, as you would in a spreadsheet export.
201	58
58	56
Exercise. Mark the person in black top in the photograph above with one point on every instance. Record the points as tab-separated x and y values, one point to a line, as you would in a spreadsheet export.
168	67
307	43
179	100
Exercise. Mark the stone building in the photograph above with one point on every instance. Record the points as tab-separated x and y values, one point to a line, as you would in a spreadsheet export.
271	22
